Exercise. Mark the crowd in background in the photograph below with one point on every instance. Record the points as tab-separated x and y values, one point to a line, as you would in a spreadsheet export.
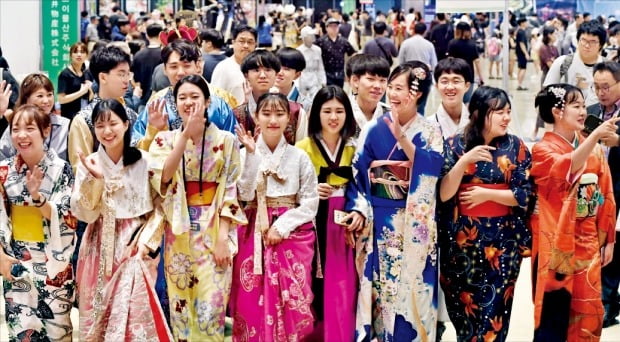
291	176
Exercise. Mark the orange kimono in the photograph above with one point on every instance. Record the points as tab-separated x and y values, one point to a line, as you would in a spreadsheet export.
575	217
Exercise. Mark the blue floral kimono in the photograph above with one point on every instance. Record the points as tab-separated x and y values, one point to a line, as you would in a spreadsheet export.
396	252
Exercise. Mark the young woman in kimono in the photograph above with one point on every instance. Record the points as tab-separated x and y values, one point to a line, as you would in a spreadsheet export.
271	298
37	233
115	275
485	192
195	169
573	226
396	169
38	90
331	148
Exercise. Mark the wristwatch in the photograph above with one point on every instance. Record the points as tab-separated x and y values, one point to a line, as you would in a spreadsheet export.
38	202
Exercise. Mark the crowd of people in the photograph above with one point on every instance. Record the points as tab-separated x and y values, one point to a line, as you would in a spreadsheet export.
177	184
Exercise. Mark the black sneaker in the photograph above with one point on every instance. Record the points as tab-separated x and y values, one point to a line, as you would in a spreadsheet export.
522	88
608	322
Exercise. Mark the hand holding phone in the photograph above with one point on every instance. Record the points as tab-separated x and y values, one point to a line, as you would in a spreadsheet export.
591	123
339	218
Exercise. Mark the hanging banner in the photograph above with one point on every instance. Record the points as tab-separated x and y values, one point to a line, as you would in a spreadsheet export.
429	10
460	6
60	22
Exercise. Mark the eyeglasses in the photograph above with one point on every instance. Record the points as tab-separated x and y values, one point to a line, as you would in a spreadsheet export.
124	75
604	89
586	42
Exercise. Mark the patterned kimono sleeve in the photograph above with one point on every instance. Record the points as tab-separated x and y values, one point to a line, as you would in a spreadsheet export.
247	182
307	196
174	203
61	243
80	140
153	230
229	176
606	217
553	168
139	127
428	157
86	195
145	142
6	146
520	182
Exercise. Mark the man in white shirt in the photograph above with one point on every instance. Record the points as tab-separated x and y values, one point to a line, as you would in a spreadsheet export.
452	79
227	74
368	75
591	37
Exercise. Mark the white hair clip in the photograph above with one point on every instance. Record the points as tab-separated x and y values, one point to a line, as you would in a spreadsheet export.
559	94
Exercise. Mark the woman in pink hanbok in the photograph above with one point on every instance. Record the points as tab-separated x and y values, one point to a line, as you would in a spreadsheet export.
271	295
116	268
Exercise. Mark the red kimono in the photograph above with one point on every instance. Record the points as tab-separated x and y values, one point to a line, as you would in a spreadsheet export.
575	217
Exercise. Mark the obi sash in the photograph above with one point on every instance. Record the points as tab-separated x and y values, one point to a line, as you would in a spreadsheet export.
195	197
390	179
484	209
27	223
589	196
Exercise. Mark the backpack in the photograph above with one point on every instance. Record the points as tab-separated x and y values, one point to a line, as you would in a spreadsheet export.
493	47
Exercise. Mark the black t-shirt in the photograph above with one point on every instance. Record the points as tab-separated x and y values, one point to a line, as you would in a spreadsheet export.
521	38
144	62
465	49
69	83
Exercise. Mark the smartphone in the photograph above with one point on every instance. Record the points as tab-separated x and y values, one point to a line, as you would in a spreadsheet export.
339	216
591	123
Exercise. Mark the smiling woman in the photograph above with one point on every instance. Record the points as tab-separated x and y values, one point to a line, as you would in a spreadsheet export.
38	240
485	192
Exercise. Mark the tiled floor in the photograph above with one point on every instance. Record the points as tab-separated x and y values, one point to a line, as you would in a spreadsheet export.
522	322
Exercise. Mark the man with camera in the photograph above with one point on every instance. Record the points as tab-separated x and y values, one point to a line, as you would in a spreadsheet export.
605	84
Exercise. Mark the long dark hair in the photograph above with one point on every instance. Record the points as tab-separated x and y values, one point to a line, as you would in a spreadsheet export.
102	112
325	94
199	82
484	100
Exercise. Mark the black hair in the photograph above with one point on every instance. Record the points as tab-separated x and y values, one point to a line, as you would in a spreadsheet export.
102	112
153	30
521	20
547	99
379	27
122	22
214	36
291	58
115	8
84	14
260	58
586	14
345	17
453	65
106	59
326	94
441	16
546	33
135	45
244	28
364	63
273	99
261	20
188	51
419	28
593	28
483	101
408	68
199	82
577	15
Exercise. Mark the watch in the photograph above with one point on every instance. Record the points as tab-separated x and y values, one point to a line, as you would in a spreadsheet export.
39	202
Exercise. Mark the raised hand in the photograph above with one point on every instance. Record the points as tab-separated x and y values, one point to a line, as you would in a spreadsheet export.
247	91
479	153
158	118
195	123
5	95
607	129
93	168
246	138
33	180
